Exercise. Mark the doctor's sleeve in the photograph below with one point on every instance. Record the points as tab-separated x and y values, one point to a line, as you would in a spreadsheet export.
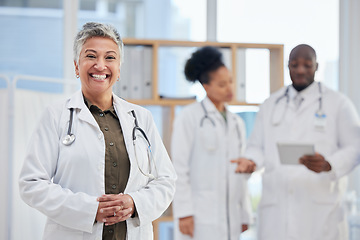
61	205
154	198
255	144
246	208
181	148
347	157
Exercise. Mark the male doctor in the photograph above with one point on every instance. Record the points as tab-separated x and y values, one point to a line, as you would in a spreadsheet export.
304	201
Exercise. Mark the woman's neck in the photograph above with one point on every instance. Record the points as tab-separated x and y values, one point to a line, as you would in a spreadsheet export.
220	106
103	101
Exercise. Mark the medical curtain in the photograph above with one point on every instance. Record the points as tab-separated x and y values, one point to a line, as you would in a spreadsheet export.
4	158
26	222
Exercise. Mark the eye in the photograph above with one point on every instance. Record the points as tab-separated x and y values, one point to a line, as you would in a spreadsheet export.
308	65
90	56
110	58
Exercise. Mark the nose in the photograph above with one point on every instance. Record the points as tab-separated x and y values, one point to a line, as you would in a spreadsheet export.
301	69
100	65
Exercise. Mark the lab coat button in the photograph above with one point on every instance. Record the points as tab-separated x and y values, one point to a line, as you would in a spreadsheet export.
114	164
113	186
101	114
111	144
106	129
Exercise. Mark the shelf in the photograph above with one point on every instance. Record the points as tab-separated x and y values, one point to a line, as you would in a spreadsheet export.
161	102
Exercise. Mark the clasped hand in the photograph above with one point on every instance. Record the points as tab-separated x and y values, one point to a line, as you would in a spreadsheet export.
114	208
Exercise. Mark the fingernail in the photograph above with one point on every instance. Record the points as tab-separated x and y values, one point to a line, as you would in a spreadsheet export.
101	210
97	199
104	220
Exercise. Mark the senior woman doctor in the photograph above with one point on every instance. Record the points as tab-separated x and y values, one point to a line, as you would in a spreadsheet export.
211	200
105	184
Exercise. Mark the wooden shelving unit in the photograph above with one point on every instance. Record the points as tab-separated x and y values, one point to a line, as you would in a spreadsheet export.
276	73
276	63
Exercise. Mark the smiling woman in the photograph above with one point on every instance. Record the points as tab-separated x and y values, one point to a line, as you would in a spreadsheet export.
101	185
98	68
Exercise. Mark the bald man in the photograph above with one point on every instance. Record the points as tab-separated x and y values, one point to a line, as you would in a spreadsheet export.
303	201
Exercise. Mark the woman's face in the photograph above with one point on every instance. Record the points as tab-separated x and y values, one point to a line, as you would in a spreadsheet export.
98	66
220	87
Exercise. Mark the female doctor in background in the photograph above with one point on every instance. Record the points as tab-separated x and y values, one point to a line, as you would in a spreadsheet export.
211	200
103	184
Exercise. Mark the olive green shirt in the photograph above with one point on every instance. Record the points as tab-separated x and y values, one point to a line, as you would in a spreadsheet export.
117	163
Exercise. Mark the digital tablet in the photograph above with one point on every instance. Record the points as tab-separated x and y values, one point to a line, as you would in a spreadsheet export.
291	152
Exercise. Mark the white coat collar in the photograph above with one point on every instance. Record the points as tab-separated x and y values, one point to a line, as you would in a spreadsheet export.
309	95
120	105
309	92
210	107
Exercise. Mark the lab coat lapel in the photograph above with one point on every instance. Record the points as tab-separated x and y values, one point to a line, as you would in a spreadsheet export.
127	121
311	97
77	102
212	111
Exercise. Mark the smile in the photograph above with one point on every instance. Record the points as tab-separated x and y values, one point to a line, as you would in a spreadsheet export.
99	76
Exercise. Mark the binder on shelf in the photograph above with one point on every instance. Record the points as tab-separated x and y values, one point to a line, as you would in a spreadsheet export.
136	74
124	75
241	74
147	73
226	52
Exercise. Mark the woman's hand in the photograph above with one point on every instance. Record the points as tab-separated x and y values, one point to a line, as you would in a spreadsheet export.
244	227
244	165
186	226
114	208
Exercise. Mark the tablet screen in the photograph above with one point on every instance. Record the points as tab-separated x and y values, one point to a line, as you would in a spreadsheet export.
290	153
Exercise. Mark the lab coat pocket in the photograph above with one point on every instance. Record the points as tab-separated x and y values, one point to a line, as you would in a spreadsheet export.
54	231
208	137
327	215
205	207
269	193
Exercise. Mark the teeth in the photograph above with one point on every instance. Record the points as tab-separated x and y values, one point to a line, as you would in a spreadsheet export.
99	77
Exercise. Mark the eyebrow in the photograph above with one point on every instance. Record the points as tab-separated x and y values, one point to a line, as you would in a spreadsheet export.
91	50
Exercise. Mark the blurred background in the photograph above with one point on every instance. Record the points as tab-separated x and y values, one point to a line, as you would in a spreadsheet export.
36	67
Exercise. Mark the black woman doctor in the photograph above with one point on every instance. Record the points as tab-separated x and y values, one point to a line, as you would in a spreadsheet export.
211	200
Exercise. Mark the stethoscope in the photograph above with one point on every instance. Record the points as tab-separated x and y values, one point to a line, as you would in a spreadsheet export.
318	114
70	138
149	151
206	117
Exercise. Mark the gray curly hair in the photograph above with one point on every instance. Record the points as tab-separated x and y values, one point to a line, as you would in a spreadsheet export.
93	29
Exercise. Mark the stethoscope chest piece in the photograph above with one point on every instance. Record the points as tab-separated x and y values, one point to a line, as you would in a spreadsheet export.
68	139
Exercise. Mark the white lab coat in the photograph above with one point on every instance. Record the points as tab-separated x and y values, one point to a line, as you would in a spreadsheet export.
63	182
207	186
298	203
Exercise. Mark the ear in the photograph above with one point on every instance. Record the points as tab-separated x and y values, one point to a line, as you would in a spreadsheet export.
317	66
205	86
76	68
